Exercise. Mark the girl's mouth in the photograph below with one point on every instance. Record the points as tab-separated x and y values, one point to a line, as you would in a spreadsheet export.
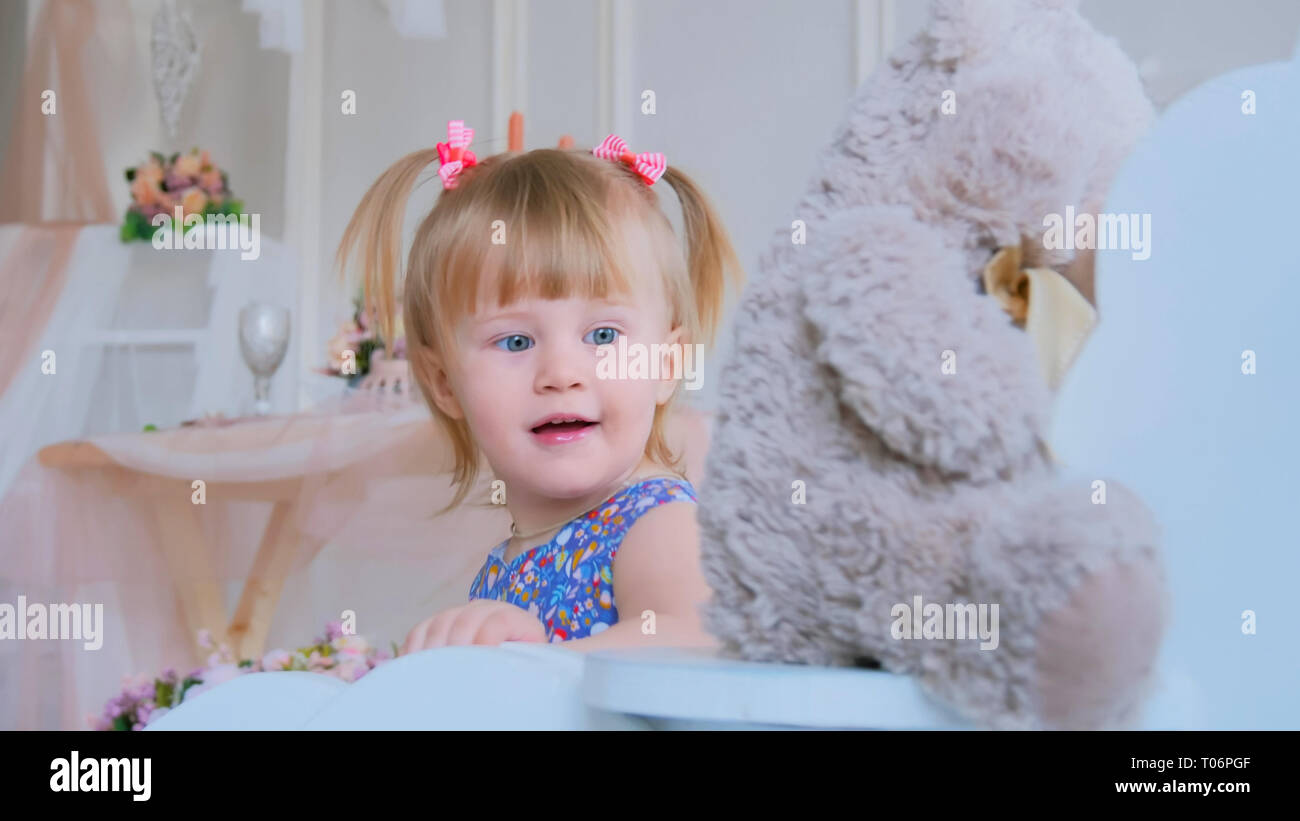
560	431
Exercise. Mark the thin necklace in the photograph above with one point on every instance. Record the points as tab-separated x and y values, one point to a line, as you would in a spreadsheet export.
514	531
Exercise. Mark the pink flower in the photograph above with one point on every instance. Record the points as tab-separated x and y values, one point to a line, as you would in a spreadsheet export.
350	670
349	338
277	660
175	182
210	181
350	645
217	674
188	165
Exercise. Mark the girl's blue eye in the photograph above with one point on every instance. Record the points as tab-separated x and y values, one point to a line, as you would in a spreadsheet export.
602	336
515	343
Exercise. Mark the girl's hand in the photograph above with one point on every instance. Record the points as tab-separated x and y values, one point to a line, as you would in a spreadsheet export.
482	621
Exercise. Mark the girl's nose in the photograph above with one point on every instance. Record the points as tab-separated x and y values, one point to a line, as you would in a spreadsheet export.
562	367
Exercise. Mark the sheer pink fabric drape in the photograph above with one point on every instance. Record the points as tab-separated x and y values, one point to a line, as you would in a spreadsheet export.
53	206
364	489
57	60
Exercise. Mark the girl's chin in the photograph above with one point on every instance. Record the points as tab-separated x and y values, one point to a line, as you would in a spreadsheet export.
567	482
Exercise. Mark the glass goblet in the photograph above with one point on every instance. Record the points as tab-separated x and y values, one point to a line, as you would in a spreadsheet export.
263	340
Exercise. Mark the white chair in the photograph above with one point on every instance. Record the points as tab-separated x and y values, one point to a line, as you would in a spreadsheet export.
519	686
1161	398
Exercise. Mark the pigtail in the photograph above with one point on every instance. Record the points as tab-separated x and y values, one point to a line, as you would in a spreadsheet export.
711	259
378	223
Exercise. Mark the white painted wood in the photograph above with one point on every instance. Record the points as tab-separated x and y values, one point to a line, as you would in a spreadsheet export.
519	57
622	95
140	338
615	97
302	189
602	67
509	68
875	26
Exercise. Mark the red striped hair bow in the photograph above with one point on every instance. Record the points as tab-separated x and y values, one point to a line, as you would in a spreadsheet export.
650	166
454	155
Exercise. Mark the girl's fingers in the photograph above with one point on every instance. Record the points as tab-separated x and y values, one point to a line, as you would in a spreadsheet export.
415	639
462	629
511	625
494	629
479	622
442	624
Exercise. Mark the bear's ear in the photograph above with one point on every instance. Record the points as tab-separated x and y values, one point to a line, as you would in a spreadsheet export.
972	29
932	366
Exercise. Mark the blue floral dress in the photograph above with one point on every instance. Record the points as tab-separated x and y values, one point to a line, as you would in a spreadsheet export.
568	583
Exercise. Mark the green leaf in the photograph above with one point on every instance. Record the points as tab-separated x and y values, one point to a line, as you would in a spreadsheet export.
174	158
159	157
150	428
130	175
163	692
189	682
135	226
120	723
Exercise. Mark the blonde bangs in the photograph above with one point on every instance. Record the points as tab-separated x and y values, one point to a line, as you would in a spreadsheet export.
528	226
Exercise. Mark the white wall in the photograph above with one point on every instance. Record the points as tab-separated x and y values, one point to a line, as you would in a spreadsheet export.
747	91
1178	44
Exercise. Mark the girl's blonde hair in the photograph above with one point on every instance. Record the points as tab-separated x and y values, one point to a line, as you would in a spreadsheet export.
542	224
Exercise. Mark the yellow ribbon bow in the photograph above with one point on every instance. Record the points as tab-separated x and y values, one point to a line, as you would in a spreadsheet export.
1047	305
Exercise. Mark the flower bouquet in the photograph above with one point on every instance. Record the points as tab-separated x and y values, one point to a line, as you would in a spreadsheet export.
160	185
144	699
352	349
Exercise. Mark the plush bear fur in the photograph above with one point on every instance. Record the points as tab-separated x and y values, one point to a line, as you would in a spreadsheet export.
920	482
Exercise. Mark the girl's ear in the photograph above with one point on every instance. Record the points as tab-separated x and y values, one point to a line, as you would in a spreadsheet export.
676	364
428	371
442	394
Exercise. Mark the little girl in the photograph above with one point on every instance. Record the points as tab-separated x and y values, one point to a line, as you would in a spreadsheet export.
527	265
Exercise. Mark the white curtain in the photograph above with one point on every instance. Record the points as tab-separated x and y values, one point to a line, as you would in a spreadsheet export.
109	377
39	408
281	24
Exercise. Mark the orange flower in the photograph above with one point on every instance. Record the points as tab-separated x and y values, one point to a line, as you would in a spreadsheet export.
145	190
193	201
150	171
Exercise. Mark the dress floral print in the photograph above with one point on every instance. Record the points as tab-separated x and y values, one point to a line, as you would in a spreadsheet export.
568	583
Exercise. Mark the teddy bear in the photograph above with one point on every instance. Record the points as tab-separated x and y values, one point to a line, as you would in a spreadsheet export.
879	490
